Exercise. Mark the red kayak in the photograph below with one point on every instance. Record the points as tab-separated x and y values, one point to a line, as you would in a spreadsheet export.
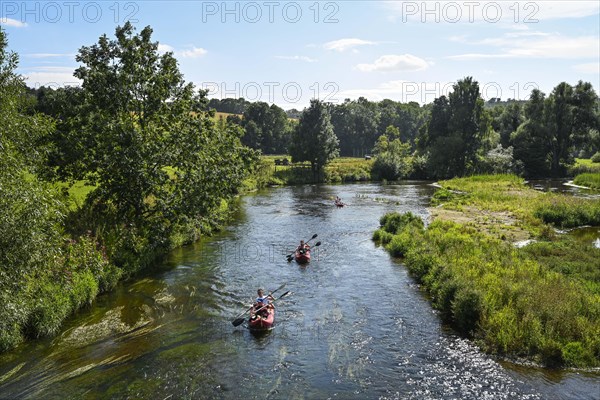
302	257
263	322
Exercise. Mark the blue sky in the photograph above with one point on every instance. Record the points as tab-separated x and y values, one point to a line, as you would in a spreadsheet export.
287	52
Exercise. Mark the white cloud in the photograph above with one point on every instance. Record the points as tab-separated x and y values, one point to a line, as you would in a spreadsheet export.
342	45
50	76
12	22
195	52
164	48
297	58
542	46
588	68
48	55
392	62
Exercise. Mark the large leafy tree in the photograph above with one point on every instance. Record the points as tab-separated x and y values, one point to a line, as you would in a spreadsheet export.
355	125
545	141
508	121
313	139
455	134
468	121
531	144
151	148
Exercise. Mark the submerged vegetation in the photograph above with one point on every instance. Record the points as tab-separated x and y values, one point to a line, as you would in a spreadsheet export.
540	301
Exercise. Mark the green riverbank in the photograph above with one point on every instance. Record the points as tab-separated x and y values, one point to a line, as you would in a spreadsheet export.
540	301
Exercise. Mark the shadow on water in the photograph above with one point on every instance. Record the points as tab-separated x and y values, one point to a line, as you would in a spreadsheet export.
355	327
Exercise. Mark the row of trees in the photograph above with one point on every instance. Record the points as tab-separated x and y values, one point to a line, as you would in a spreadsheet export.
455	135
458	135
161	169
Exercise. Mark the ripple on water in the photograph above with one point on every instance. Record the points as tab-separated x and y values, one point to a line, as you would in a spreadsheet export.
456	369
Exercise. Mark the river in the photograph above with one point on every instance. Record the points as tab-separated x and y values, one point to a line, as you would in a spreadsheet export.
354	326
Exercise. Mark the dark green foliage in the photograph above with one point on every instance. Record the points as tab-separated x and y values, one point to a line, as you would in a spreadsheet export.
44	275
358	123
355	125
457	129
392	161
313	139
466	310
567	212
229	105
508	122
66	151
552	127
394	222
266	128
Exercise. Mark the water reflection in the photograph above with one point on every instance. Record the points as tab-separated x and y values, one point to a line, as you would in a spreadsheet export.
561	186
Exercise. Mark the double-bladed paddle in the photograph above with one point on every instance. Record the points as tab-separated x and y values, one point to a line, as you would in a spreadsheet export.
240	315
240	320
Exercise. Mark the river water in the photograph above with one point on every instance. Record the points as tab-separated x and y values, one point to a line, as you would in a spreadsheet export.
354	326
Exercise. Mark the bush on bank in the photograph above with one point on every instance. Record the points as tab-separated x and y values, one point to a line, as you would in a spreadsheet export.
591	180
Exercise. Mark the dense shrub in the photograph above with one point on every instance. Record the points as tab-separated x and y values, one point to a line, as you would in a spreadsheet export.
466	310
393	222
569	212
